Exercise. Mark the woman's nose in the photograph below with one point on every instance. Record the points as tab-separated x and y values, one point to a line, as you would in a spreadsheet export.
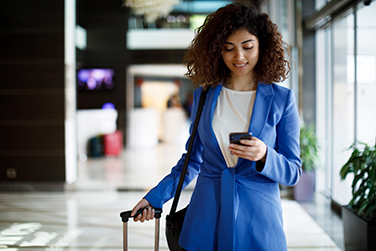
239	54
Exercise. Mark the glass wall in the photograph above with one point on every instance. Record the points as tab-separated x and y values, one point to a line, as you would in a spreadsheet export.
366	73
343	102
346	87
323	107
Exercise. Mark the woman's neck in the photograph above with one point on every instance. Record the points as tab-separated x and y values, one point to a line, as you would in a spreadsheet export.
241	84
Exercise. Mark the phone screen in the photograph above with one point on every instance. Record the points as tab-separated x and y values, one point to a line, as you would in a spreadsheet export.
235	137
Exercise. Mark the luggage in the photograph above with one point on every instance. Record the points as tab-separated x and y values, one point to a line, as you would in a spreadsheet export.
113	143
125	217
96	146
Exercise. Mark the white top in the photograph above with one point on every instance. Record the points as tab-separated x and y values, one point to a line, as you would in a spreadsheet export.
232	114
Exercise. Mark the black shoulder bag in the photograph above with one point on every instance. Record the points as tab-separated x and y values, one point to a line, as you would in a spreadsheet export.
174	221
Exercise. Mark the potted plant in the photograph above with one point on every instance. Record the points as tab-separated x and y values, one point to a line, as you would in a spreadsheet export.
309	147
359	216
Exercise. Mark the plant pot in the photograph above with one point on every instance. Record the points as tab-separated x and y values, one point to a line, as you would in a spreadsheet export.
305	189
359	234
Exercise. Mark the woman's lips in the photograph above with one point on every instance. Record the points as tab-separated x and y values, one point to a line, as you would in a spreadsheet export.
240	66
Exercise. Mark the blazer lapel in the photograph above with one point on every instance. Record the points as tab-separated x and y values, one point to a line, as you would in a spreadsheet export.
261	109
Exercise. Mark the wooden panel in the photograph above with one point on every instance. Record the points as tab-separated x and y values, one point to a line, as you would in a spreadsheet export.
29	139
49	45
31	105
36	76
32	132
32	168
26	14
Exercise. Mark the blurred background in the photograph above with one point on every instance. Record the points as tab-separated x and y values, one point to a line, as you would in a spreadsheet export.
84	81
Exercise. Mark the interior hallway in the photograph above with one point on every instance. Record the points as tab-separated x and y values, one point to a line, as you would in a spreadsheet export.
86	215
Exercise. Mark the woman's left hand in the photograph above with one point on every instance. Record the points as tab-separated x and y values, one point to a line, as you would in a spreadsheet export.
253	149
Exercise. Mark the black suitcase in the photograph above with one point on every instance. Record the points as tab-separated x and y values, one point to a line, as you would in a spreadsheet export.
125	217
96	146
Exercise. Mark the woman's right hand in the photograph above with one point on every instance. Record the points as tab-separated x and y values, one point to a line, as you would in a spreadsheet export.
147	214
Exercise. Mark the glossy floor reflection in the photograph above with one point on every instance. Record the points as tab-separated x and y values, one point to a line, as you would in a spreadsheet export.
86	215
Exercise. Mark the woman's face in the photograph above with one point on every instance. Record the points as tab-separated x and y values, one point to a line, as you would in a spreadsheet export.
241	53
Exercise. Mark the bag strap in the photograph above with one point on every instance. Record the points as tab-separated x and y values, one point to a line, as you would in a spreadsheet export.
188	155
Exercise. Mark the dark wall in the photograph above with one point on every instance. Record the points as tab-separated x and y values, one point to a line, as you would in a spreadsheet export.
32	146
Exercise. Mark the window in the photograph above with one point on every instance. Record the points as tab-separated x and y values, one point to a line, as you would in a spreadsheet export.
343	102
324	106
346	87
366	74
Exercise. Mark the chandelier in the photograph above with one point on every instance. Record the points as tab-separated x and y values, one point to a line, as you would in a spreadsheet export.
151	9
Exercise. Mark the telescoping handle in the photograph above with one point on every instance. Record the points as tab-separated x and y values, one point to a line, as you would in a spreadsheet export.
125	217
127	214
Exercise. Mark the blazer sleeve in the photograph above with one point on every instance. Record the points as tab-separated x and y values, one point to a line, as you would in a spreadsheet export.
166	188
283	163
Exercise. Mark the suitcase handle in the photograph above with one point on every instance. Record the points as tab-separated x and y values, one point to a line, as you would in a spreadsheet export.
127	214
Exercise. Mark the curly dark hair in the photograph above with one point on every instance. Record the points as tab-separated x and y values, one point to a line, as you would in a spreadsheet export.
204	55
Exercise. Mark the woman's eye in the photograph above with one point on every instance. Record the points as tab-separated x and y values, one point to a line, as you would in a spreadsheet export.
228	49
248	48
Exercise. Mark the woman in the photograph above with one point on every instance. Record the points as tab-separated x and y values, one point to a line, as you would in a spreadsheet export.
238	54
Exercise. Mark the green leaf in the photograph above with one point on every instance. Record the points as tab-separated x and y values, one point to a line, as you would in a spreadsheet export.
370	210
345	170
362	163
362	208
309	147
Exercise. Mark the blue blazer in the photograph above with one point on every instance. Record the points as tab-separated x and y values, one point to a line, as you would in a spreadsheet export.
238	208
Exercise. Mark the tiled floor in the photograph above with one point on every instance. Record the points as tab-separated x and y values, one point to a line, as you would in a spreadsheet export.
86	215
330	222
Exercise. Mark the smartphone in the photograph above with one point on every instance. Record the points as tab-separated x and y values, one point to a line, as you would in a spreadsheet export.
235	137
